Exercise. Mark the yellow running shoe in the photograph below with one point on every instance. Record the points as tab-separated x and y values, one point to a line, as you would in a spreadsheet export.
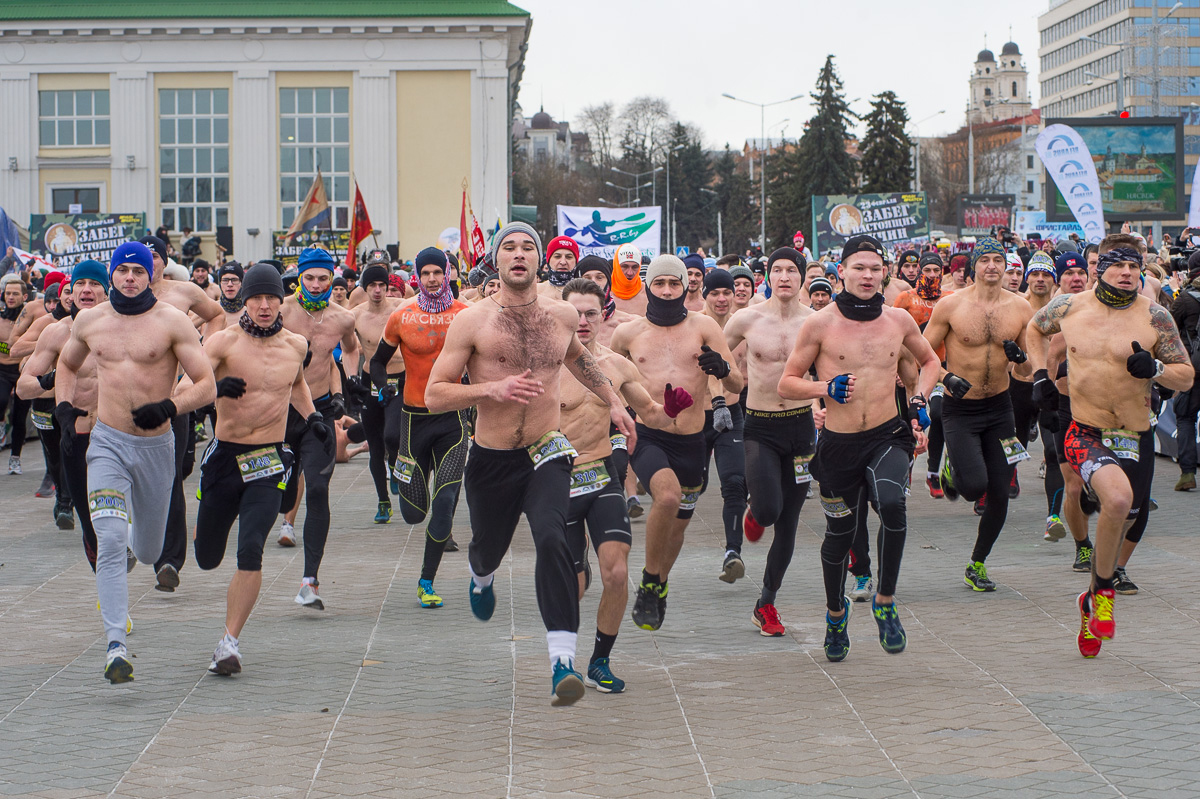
426	595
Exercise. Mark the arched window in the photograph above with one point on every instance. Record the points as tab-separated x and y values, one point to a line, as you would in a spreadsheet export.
1014	88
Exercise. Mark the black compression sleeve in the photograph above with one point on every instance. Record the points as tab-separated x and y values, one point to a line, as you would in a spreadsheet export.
379	363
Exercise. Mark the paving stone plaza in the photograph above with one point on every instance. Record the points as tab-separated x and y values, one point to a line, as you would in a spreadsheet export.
377	697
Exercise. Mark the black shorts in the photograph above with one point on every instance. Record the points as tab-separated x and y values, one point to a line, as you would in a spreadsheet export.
790	434
598	500
685	456
842	459
1089	448
232	475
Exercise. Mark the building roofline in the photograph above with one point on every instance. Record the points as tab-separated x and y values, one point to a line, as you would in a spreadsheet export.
147	10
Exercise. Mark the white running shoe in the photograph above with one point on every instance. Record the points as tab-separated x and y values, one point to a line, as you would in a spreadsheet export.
308	597
864	589
287	534
226	660
117	668
14	464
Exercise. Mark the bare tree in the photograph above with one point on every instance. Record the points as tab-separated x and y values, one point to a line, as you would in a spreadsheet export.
599	122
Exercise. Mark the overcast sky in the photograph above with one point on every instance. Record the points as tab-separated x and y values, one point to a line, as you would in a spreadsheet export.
690	52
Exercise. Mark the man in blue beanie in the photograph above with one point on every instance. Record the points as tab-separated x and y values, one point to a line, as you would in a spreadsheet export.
324	325
694	264
139	346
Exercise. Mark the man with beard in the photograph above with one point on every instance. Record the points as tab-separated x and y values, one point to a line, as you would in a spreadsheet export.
669	459
695	283
245	468
983	328
627	288
1109	442
324	325
514	344
908	269
430	446
866	447
381	415
780	436
200	273
139	344
562	255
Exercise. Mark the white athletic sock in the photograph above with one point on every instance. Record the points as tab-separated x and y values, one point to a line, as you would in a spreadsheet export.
480	582
309	581
230	638
561	645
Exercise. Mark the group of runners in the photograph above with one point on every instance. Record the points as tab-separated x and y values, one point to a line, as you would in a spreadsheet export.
559	387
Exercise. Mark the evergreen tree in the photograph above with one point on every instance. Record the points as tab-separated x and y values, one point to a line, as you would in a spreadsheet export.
736	199
694	209
887	150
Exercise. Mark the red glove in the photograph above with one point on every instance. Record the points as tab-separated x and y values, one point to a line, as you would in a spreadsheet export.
676	401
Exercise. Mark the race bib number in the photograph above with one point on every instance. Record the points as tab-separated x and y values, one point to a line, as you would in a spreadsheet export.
589	478
3	348
835	507
259	463
1014	453
404	469
43	420
107	503
618	441
800	464
690	497
1123	443
550	446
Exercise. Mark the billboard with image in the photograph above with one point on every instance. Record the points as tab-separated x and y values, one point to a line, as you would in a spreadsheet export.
1139	163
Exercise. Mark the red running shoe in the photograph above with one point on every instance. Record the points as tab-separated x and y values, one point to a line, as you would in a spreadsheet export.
934	483
766	619
1089	645
1014	487
1102	624
752	529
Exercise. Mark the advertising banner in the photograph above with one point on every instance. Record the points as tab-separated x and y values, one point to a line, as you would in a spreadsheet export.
1030	222
898	218
1069	162
600	231
336	241
67	239
979	213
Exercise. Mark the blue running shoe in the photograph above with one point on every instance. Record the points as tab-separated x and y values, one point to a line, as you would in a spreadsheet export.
837	639
600	677
891	632
394	484
384	514
566	685
483	602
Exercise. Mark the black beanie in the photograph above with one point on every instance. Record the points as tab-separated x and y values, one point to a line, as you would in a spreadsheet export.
718	279
375	273
787	254
339	281
272	262
231	268
594	263
156	244
262	279
931	258
429	255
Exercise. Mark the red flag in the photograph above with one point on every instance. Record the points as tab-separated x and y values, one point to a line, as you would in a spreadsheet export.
360	226
464	249
478	248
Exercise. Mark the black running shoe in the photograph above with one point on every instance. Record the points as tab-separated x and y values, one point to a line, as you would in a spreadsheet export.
451	545
1083	559
1122	584
649	606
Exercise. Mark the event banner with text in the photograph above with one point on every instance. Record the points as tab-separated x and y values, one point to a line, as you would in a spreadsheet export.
894	219
67	239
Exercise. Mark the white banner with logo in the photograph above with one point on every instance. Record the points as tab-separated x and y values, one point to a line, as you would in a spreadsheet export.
600	231
1070	165
1194	209
1035	222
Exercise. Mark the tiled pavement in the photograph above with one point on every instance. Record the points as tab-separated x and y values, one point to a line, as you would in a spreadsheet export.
376	697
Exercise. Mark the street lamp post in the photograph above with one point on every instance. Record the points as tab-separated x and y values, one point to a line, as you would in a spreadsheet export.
917	149
638	176
1120	69
670	213
762	178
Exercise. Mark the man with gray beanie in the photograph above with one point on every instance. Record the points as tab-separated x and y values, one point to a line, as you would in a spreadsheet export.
259	369
671	347
514	343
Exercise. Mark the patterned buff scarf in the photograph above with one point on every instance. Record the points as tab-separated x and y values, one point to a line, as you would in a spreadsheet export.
251	327
310	303
1111	295
929	287
231	306
435	303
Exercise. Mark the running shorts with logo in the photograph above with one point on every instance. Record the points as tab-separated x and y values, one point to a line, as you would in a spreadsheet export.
244	482
1090	448
597	500
683	455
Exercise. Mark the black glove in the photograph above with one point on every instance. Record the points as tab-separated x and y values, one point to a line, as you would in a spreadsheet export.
337	406
318	427
46	381
66	414
956	386
154	414
1014	353
1045	395
711	363
359	392
918	411
232	387
387	394
1142	364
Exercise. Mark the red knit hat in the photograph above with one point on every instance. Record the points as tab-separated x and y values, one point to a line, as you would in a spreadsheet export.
562	242
52	278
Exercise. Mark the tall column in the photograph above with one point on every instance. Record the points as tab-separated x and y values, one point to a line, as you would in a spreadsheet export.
18	139
253	164
132	119
373	147
490	141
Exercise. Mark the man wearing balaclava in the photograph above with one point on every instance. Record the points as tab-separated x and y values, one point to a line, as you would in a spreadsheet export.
671	347
513	344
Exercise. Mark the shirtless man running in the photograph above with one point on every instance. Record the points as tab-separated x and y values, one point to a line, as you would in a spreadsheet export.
1109	442
139	345
514	344
683	349
597	497
865	446
259	368
780	434
983	328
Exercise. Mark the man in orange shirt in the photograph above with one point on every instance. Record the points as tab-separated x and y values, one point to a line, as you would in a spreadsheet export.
431	444
919	303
